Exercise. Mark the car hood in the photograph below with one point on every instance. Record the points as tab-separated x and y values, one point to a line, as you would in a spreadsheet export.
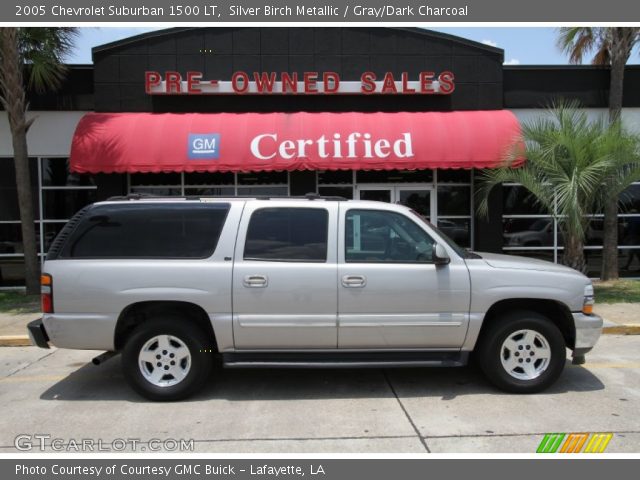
522	263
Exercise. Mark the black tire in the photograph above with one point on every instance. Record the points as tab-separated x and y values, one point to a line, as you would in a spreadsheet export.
488	352
191	336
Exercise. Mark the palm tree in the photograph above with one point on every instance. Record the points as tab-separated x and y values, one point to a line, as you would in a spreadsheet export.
611	46
568	160
36	53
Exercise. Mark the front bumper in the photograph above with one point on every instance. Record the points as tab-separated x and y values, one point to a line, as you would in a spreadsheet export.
38	334
588	330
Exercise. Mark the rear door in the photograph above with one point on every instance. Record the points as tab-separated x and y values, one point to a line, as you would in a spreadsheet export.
284	277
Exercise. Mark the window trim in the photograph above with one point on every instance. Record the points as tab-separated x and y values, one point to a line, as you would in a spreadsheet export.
346	260
284	260
63	255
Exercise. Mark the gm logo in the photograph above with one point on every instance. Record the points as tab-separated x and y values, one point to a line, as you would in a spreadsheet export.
204	146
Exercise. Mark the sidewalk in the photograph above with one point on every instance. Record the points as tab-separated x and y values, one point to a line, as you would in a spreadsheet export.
13	328
619	318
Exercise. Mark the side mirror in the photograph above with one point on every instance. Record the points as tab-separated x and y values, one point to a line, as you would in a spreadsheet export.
440	255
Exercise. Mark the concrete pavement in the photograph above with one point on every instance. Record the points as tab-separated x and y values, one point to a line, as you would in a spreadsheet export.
56	392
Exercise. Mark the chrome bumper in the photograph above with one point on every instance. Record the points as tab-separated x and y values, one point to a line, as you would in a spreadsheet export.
588	330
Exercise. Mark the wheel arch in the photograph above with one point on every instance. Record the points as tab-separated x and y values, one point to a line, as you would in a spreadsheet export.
555	311
141	312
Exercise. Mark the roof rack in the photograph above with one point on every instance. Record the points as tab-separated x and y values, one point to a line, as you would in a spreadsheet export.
132	196
148	196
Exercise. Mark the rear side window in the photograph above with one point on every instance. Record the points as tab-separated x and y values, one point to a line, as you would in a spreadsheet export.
287	235
147	231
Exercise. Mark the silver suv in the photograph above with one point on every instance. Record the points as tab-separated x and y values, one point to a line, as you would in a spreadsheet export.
174	283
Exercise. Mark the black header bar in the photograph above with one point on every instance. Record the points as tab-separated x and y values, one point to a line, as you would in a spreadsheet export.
318	11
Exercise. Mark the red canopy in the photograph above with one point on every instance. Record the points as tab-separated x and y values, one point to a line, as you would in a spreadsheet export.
227	142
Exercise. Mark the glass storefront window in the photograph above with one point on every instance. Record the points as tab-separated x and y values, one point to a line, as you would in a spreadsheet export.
217	184
11	271
263	178
418	200
630	200
394	176
523	227
629	230
209	178
63	204
454	200
454	176
629	261
153	179
157	191
528	232
50	230
10	238
210	191
457	229
273	191
345	192
518	201
335	177
56	173
9	194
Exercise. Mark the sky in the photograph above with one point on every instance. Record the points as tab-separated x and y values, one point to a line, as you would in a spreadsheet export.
521	45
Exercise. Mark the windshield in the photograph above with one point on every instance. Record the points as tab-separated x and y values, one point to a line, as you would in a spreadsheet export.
458	249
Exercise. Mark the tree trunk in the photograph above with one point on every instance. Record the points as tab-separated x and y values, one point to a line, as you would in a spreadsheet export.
610	234
14	102
574	253
610	241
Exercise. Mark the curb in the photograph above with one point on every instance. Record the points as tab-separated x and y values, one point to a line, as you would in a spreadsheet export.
629	329
15	341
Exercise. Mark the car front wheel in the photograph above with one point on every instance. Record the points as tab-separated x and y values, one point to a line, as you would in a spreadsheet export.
522	352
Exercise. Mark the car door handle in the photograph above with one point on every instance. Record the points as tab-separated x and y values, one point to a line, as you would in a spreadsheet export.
354	281
255	281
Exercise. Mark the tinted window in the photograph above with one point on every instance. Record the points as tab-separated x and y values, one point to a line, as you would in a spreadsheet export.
287	234
374	236
148	231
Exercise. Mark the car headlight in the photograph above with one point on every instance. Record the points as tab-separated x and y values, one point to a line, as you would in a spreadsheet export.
589	301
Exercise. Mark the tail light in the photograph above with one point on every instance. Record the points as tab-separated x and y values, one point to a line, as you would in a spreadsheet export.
46	290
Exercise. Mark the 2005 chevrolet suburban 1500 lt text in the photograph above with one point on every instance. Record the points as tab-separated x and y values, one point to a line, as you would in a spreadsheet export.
301	282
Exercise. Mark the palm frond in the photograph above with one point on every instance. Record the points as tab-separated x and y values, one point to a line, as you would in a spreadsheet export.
43	51
573	165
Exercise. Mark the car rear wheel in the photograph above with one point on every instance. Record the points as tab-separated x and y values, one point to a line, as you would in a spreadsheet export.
522	352
165	359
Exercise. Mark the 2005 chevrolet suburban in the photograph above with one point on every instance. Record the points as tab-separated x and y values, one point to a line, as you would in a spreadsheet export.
171	283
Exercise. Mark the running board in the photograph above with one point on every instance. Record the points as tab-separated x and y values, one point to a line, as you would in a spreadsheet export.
344	360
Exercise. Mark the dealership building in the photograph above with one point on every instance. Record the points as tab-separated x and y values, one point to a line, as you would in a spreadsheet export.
391	114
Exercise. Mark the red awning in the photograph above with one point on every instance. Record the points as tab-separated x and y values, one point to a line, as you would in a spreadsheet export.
227	142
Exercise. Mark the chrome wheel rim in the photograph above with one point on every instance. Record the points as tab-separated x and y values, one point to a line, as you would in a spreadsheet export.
164	360
525	354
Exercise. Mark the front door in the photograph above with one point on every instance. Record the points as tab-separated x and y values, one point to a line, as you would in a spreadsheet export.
418	197
390	293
